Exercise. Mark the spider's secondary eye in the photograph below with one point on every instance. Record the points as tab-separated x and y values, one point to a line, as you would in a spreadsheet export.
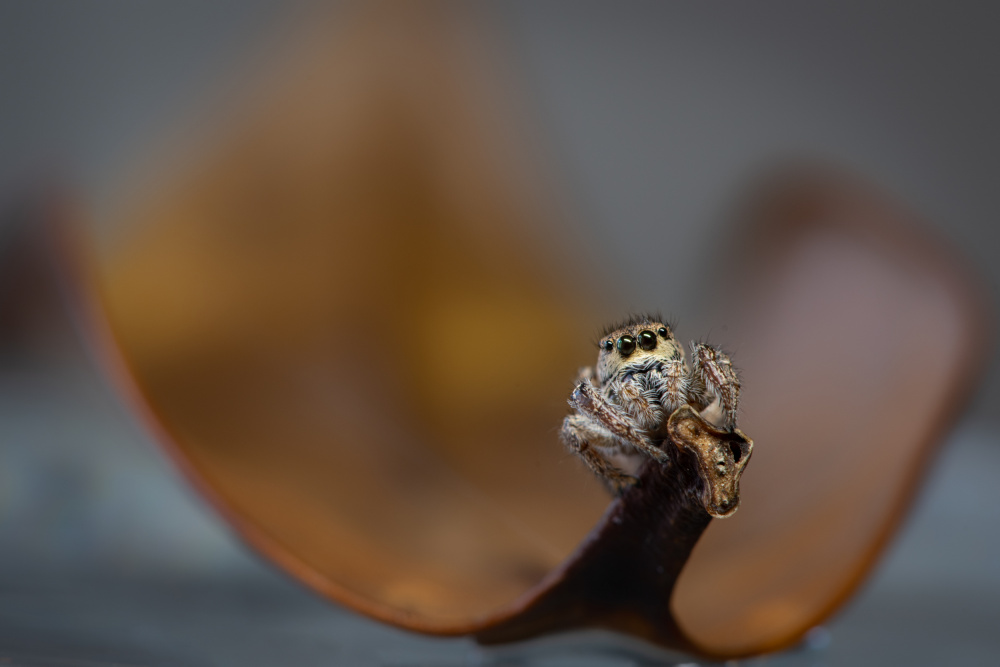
607	345
647	340
626	345
663	332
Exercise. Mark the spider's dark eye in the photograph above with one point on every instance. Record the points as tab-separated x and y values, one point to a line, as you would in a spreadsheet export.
663	332
647	340
608	345
626	345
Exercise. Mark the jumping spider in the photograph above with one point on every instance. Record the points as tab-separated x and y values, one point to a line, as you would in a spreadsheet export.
641	379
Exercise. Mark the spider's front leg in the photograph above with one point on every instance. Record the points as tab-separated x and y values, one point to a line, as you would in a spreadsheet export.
715	378
588	401
588	440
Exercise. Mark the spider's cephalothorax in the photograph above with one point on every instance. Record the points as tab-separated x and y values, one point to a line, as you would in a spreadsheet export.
642	377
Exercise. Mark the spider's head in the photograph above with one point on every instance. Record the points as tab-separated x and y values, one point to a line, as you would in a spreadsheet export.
635	346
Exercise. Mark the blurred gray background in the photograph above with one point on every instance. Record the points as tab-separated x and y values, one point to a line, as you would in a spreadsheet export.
655	114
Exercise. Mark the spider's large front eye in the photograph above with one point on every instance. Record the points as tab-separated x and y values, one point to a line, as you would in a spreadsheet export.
626	345
647	340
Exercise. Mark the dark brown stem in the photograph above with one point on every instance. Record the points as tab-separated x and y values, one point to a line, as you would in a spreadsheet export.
622	576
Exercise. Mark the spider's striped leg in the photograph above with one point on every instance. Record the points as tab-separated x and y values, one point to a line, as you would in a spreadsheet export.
589	440
713	370
590	402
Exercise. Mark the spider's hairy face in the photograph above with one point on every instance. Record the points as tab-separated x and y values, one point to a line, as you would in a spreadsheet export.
634	348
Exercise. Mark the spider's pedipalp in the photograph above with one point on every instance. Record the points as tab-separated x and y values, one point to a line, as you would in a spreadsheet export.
675	384
640	402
